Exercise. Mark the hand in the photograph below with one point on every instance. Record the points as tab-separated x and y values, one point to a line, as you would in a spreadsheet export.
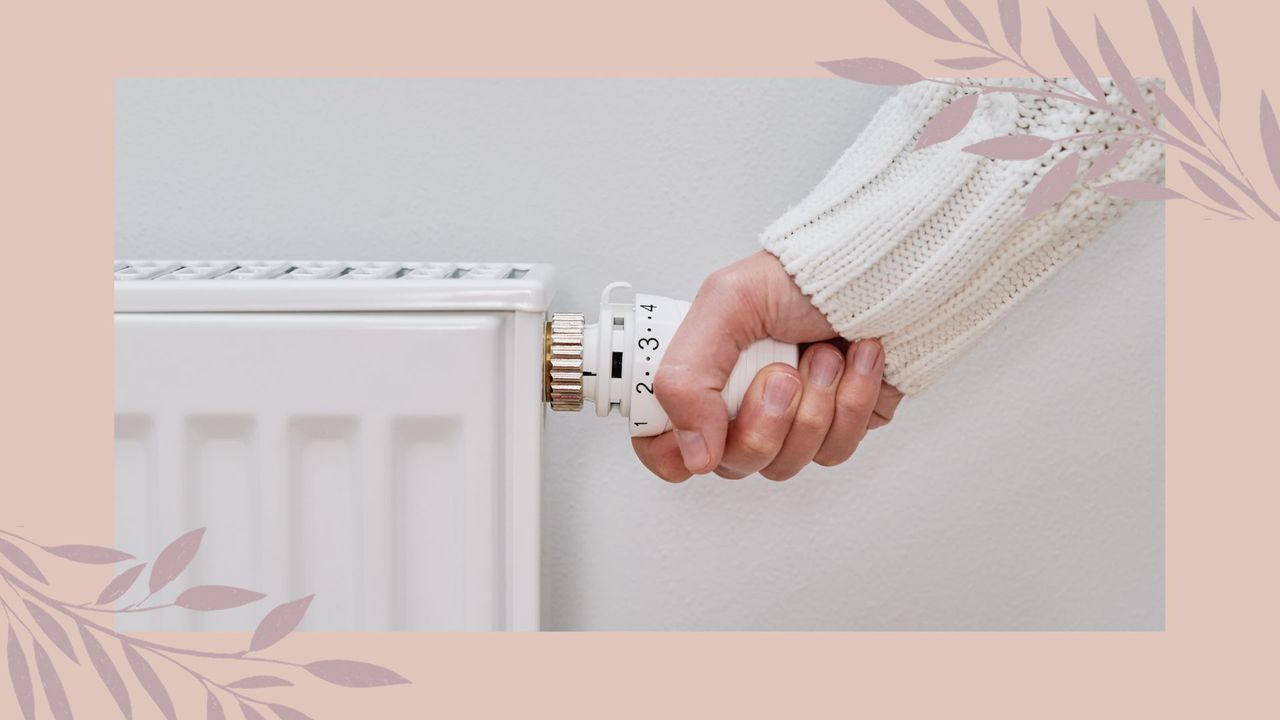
790	417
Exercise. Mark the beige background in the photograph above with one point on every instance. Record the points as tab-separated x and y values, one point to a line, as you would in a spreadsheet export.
1218	650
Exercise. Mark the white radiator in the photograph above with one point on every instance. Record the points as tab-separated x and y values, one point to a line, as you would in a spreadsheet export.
368	432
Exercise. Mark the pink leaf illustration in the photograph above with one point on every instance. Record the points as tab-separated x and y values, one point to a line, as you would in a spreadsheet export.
259	681
1079	66
1139	190
1120	74
949	121
1075	60
1270	137
1211	189
216	597
284	712
52	629
107	671
20	677
249	713
120	585
1011	22
875	71
1206	65
150	681
1054	186
174	559
350	673
967	63
89	554
1011	147
1108	159
918	15
278	623
59	706
965	17
1175	116
21	560
1172	49
213	708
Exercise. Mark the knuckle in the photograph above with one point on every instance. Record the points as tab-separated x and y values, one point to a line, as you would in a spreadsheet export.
836	453
757	445
674	475
671	384
809	422
777	474
719	281
827	459
855	405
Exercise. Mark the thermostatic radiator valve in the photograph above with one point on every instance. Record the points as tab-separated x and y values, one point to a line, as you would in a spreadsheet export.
612	362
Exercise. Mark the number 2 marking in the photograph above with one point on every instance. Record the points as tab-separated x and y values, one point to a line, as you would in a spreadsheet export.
645	388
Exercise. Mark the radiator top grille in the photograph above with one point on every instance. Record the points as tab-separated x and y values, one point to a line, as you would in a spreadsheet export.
312	270
152	286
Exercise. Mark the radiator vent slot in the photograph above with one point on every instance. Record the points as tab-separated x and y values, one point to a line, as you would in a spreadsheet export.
235	270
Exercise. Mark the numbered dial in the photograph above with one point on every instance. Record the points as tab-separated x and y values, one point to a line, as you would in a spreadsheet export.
656	320
624	349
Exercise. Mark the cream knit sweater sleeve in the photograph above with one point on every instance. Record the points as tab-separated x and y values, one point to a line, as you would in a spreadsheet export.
927	249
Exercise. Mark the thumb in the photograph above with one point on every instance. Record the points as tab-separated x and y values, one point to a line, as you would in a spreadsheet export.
720	324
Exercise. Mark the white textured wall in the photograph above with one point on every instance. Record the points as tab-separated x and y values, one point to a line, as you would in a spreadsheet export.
1024	491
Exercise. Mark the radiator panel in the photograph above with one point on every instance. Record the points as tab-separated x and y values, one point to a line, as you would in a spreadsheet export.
386	461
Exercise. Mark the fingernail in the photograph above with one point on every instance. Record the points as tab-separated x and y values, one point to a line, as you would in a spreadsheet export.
864	359
826	365
693	449
779	389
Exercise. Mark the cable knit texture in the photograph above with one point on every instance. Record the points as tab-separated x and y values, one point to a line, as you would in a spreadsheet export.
927	249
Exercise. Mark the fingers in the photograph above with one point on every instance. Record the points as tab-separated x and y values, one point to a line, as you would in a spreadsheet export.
720	324
662	456
856	401
886	406
816	414
820	371
764	419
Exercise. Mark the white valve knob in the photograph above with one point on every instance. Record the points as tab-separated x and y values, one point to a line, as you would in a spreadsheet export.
622	350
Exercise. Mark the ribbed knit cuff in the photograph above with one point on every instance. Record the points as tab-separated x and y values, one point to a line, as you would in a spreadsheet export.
927	249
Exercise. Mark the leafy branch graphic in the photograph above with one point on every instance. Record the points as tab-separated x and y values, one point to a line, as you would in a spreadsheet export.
1183	132
48	618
